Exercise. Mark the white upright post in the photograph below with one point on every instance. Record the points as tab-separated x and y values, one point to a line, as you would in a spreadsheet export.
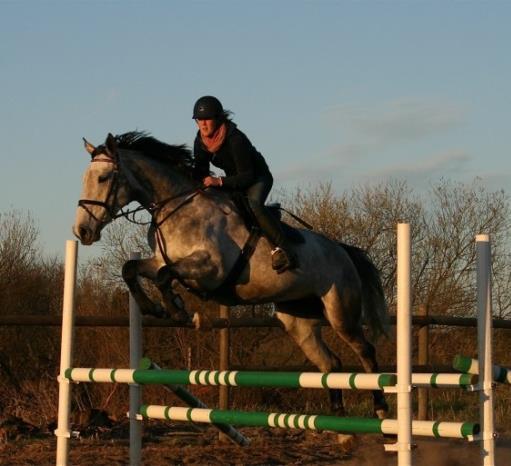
135	395
484	341
66	353
404	347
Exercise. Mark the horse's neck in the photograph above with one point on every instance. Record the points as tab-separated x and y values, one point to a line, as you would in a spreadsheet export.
152	181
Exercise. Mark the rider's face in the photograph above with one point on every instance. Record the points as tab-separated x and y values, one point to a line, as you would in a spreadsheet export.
207	127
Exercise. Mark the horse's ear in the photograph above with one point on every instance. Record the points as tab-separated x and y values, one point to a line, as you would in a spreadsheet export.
88	146
111	145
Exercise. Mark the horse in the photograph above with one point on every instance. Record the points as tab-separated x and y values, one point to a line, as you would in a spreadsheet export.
197	236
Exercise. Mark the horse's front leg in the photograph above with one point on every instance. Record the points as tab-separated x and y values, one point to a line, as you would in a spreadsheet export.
150	269
173	302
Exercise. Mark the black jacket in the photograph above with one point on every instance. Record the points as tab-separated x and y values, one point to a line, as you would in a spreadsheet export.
239	159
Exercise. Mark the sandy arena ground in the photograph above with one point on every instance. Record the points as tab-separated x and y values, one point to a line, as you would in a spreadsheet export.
268	447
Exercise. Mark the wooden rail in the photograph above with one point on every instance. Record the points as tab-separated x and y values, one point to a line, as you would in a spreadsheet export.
421	320
244	322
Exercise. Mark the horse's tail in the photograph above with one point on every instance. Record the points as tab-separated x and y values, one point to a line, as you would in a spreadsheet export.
374	305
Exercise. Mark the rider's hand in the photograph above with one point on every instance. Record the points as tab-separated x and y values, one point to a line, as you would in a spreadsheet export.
212	181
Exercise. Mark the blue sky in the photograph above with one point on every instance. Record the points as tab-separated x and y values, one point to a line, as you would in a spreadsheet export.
340	91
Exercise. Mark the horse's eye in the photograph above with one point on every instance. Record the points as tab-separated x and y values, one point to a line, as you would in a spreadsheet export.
103	178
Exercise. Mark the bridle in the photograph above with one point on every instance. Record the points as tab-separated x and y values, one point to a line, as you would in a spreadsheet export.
111	193
154	208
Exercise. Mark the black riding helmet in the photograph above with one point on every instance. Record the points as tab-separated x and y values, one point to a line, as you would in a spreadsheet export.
207	108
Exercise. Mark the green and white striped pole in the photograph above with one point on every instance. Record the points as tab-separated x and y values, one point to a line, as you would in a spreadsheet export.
194	402
471	366
234	378
343	381
313	422
439	380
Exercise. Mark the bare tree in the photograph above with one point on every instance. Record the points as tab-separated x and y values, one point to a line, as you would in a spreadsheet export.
444	223
18	248
119	239
457	212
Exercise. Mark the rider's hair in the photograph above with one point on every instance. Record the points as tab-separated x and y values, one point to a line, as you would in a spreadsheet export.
226	116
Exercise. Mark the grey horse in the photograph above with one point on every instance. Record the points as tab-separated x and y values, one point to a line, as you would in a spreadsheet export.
198	236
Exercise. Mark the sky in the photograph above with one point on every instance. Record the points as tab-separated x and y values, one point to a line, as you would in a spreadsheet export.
329	91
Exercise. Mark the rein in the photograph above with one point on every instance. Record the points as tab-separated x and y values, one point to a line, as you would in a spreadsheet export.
153	208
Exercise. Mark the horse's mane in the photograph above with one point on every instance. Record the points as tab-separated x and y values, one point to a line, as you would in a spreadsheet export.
176	156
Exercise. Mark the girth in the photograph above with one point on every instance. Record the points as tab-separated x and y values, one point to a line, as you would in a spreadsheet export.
241	262
226	288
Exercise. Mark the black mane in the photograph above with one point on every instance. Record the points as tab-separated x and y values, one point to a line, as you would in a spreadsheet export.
176	156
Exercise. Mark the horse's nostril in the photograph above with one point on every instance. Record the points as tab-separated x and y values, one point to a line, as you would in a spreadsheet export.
84	232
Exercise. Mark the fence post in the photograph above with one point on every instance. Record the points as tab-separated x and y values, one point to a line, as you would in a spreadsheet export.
135	391
224	365
423	360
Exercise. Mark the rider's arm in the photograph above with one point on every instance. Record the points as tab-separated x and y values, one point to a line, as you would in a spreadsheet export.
201	161
242	153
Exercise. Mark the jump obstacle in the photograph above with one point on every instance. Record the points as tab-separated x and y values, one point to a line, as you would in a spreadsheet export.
400	383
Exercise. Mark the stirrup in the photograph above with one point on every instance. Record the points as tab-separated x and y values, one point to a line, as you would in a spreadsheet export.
282	260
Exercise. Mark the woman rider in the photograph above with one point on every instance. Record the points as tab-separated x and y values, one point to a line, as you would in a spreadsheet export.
221	143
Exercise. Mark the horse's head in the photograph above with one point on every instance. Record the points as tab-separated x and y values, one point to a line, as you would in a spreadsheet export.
104	192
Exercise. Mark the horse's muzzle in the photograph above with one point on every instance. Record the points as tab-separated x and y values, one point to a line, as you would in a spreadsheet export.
85	234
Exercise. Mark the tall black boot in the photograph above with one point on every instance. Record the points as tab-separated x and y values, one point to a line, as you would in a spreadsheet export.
282	256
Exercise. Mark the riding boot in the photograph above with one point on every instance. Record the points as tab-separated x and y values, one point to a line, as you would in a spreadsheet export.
283	257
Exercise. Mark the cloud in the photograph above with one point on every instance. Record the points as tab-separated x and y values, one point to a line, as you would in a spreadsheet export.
396	121
346	170
453	164
383	140
450	164
113	95
311	174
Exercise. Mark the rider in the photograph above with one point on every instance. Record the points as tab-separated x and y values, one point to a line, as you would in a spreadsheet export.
220	142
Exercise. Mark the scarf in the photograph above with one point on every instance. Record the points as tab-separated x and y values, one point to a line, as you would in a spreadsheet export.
214	142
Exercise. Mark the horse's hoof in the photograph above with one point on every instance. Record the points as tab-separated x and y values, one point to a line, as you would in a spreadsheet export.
347	442
180	316
338	411
389	439
158	312
381	413
201	322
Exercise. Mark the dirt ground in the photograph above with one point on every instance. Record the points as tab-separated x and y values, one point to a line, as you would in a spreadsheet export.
183	445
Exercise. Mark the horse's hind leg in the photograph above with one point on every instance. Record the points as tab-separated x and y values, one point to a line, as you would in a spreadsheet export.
343	313
307	335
